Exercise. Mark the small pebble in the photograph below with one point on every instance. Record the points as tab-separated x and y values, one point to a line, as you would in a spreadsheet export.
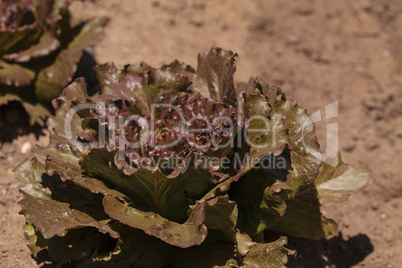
292	40
26	147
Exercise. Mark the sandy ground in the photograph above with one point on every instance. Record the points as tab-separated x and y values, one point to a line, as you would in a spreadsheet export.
319	52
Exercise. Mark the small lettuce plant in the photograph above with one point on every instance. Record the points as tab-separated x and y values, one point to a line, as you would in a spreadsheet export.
39	53
176	167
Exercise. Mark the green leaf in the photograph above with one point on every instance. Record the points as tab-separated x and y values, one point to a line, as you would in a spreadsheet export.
53	78
169	197
303	217
266	133
305	155
5	99
336	180
259	207
63	159
255	105
110	203
188	234
221	214
67	120
47	43
244	243
274	124
56	218
10	38
15	75
218	248
270	255
29	175
35	240
40	50
249	87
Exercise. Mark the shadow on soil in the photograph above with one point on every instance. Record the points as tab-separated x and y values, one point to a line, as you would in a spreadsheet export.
335	252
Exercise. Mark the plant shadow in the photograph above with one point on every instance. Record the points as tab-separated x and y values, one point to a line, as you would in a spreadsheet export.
334	252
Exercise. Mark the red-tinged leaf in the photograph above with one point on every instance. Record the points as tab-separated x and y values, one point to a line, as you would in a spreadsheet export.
185	235
52	218
215	75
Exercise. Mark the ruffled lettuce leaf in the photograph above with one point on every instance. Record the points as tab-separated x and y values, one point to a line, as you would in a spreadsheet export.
194	213
214	77
30	178
57	217
15	75
336	180
188	234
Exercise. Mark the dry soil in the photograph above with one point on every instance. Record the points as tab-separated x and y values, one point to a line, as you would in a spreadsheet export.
318	52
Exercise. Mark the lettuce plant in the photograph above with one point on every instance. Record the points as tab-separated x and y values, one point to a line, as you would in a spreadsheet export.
176	167
39	52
